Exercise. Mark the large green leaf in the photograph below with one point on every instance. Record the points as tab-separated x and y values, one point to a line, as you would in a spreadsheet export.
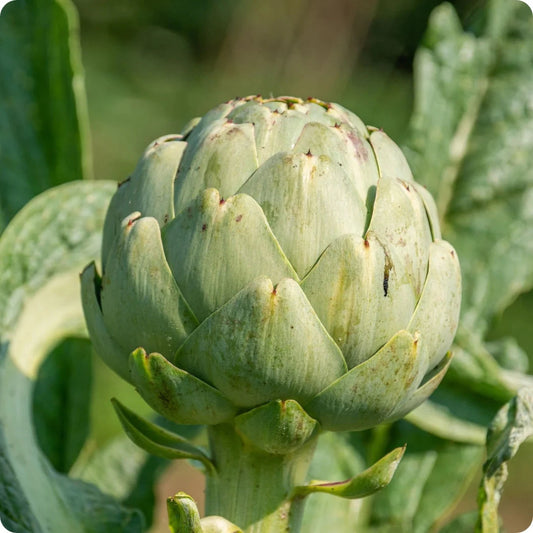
429	481
124	471
471	144
61	402
335	458
43	118
41	254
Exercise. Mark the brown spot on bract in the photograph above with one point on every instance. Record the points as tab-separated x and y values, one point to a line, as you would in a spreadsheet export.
132	220
239	218
204	227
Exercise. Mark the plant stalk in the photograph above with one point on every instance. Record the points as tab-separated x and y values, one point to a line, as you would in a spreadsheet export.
251	487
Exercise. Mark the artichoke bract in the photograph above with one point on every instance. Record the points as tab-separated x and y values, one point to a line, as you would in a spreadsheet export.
278	250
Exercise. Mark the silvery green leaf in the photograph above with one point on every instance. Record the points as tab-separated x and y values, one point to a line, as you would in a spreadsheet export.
41	254
471	144
511	426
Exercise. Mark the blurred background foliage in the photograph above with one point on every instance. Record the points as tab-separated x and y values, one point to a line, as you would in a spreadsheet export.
152	66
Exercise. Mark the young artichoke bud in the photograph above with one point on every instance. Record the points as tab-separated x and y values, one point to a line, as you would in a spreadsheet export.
279	250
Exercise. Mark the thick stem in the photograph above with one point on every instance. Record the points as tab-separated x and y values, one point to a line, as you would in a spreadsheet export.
251	487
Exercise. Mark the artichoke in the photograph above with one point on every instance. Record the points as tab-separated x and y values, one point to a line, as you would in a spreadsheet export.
276	253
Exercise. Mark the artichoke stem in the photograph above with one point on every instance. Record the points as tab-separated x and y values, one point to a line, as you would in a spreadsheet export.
251	487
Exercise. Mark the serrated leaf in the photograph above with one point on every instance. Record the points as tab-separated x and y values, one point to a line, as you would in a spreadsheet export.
471	144
43	117
512	425
42	252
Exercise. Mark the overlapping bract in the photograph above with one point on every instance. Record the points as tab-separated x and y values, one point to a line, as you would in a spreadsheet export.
280	250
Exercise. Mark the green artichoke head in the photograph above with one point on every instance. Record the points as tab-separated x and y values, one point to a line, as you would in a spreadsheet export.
277	250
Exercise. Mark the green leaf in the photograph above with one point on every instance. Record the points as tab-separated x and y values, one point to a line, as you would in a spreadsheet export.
512	425
42	252
364	484
437	419
471	144
476	369
125	472
429	481
157	440
464	523
61	402
43	116
337	458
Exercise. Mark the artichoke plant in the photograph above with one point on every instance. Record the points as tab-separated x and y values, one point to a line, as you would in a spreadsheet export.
272	272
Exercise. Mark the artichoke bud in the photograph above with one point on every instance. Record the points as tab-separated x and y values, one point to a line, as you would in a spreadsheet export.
281	270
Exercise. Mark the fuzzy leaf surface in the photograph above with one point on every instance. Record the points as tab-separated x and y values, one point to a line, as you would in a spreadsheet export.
41	255
471	145
511	426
